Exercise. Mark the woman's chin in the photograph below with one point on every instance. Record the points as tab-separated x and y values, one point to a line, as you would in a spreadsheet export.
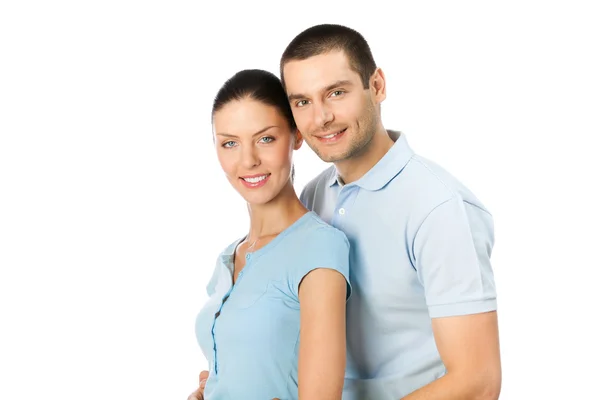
257	199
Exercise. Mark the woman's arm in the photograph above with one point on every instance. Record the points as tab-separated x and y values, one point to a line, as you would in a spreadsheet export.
322	358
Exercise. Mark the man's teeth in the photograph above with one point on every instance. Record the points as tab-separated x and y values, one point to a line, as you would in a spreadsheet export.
255	179
332	135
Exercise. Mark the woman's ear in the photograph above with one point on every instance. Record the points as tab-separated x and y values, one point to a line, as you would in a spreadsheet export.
299	139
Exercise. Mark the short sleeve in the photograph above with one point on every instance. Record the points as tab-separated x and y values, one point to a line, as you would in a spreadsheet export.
327	248
452	251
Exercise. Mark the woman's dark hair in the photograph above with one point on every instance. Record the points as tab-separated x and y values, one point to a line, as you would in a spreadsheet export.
258	85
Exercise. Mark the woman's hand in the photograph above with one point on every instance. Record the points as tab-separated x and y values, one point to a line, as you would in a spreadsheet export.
199	393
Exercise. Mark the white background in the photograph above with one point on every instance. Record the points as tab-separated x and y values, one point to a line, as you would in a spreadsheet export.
113	207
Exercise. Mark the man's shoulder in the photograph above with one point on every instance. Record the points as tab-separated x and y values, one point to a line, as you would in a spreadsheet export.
323	179
438	184
316	186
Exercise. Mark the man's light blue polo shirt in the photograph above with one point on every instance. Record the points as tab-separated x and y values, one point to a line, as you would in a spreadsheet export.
249	332
420	247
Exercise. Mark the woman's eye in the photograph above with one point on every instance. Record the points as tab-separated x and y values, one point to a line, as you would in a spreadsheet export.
266	139
231	143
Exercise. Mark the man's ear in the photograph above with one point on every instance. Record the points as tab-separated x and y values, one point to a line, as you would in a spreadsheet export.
299	139
378	85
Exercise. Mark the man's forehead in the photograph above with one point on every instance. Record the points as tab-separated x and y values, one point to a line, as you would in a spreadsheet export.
317	72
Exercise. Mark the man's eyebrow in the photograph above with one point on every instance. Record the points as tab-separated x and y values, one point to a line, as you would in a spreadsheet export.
299	96
263	130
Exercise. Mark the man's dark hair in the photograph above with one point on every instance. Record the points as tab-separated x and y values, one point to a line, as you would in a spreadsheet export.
321	39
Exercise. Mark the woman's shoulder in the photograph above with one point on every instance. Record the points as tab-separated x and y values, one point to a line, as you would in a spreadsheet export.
318	245
223	266
229	250
323	227
318	233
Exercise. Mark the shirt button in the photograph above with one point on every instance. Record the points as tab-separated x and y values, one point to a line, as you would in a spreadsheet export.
342	211
247	256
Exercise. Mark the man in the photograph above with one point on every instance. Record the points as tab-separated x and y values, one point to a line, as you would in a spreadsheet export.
421	323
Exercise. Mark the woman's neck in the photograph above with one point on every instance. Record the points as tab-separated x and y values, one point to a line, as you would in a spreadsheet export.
275	216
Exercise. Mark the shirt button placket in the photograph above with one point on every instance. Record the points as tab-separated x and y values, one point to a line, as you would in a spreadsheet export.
345	200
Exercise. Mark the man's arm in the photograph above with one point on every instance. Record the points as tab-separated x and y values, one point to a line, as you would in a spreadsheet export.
470	350
452	252
322	358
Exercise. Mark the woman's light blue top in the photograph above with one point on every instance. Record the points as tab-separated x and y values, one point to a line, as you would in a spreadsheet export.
249	332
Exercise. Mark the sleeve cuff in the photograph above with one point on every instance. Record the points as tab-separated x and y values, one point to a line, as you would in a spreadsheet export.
456	309
339	270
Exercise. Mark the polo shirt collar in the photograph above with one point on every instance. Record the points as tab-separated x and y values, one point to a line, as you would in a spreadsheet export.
390	165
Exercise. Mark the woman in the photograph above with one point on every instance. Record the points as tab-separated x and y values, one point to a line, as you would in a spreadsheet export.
274	324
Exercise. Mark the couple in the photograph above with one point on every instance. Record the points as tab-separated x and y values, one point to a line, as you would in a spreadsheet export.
376	283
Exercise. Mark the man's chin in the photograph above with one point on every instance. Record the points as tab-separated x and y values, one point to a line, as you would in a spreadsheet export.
331	157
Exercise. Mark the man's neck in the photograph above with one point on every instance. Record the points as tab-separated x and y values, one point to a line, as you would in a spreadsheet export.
353	169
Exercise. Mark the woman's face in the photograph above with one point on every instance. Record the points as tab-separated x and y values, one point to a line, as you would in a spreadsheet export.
254	146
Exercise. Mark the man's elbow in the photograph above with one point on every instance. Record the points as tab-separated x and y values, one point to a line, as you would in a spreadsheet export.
490	392
488	387
477	385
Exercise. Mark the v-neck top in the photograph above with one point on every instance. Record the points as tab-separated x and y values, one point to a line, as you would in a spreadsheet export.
249	331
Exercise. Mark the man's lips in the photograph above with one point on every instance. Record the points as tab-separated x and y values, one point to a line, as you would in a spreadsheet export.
331	136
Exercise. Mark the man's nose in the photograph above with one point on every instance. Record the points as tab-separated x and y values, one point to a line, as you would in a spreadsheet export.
322	115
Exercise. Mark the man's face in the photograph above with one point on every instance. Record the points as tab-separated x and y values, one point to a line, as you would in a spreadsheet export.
335	114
